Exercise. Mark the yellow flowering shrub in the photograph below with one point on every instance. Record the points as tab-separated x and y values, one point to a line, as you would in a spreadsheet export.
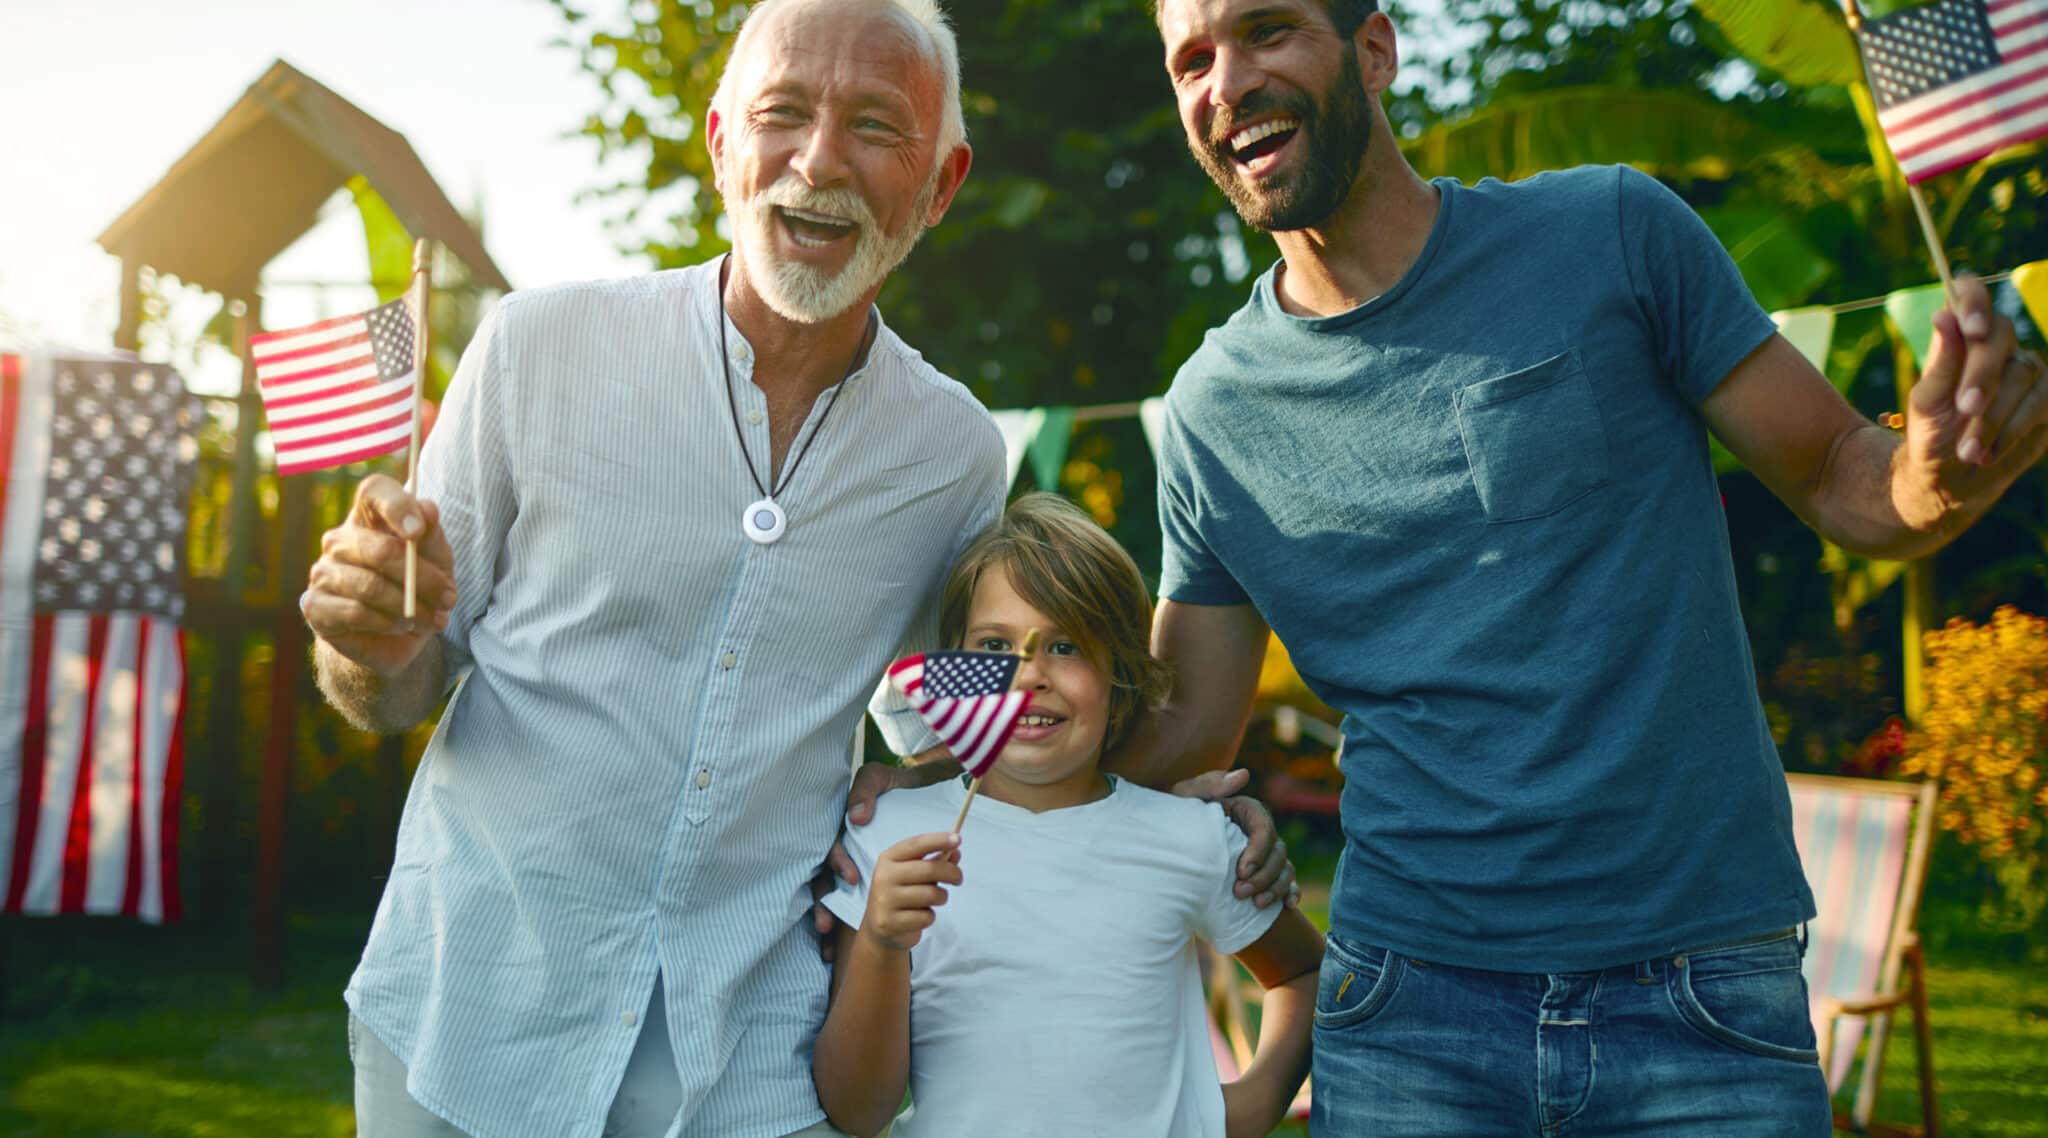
1985	740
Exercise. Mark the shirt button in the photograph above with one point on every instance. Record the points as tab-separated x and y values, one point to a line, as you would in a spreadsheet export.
728	660
626	1018
703	779
754	418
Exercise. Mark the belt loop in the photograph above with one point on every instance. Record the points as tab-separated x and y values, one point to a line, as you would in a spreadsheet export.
1804	929
1644	973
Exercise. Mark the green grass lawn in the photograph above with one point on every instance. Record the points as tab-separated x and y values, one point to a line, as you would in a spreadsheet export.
112	1031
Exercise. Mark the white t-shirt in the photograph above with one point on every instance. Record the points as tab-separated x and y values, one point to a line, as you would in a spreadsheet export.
1059	991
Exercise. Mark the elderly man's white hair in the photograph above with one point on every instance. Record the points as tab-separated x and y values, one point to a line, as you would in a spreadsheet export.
926	15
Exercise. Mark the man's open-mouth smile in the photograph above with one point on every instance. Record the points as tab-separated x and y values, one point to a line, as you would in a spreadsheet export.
812	230
1256	148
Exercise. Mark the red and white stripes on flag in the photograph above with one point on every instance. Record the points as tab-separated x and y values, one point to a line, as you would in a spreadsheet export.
1958	79
965	698
341	390
91	702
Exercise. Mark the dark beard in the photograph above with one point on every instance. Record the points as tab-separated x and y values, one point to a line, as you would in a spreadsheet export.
1337	129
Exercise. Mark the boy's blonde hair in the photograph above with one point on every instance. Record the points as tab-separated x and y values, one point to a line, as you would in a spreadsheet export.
1070	569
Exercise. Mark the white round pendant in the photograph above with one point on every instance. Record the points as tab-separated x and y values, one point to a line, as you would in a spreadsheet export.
764	521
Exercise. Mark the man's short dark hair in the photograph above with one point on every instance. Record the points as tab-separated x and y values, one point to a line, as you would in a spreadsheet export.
1348	15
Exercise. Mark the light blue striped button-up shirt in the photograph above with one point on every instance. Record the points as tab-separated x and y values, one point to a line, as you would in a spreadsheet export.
648	752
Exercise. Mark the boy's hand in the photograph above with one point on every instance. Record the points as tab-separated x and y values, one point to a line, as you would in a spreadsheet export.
870	782
909	882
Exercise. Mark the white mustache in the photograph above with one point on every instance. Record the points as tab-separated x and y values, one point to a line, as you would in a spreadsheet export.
791	192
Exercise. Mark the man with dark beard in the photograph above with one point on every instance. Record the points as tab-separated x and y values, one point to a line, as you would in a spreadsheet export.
1453	450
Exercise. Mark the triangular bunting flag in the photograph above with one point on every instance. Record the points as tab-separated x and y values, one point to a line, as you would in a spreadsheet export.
1017	428
1152	413
2032	281
1048	445
1912	311
1811	330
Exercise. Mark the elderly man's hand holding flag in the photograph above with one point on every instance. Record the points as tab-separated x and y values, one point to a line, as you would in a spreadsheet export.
342	390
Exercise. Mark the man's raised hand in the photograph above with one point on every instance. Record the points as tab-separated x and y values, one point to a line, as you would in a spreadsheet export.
355	592
1978	417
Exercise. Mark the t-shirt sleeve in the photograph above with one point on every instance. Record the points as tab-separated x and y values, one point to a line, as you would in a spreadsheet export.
466	469
1189	570
1703	317
1228	921
901	729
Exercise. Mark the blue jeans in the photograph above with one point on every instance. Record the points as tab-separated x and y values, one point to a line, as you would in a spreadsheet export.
1714	1043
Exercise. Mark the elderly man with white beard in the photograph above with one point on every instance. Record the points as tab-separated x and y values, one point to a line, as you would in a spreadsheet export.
671	531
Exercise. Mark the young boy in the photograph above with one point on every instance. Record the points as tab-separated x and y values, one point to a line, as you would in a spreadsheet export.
1059	992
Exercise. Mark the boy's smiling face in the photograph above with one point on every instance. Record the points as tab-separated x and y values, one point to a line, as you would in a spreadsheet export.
1057	746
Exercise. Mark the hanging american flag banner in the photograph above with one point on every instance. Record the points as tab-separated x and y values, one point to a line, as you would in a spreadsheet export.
98	459
966	699
341	390
1957	79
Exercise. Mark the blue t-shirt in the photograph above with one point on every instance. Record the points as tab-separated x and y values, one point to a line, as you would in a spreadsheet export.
1480	513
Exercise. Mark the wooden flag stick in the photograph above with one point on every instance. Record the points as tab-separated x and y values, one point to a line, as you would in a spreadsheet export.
1948	285
422	288
1025	651
1854	14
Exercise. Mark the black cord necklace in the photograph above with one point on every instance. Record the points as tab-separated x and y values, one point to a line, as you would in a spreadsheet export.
764	522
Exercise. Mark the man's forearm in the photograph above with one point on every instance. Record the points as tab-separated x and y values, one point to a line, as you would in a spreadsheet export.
376	703
1870	504
1166	749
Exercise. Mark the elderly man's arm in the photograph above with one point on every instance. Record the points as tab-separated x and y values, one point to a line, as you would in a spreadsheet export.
384	704
381	671
1977	420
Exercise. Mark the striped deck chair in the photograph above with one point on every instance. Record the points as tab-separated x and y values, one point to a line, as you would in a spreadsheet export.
1864	844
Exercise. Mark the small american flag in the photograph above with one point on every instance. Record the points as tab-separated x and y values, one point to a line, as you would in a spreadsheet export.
1957	79
341	390
966	698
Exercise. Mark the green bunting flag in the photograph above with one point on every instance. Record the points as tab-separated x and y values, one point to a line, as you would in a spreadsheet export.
1912	311
1042	434
1048	446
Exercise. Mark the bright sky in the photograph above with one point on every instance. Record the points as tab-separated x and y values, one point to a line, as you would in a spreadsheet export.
99	97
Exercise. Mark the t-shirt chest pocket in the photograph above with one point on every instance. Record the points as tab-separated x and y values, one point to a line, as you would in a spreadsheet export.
1533	439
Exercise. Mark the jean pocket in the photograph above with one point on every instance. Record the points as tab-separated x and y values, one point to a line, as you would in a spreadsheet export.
1533	439
1355	982
1750	997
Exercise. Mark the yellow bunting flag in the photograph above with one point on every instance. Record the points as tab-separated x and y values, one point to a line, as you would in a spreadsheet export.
1912	311
2032	281
1811	330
